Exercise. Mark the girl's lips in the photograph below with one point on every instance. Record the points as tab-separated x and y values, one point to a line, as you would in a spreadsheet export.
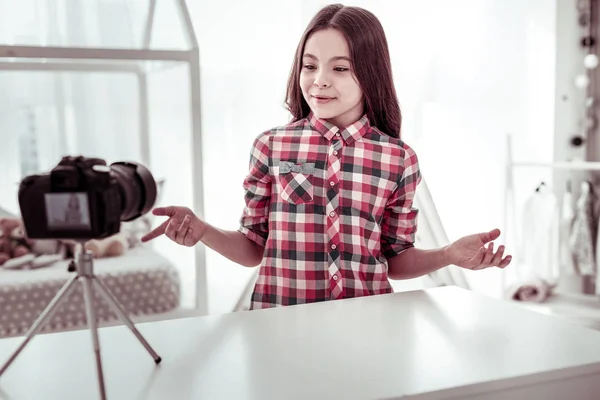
323	99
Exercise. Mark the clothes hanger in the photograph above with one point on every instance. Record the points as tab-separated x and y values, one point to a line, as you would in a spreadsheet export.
542	184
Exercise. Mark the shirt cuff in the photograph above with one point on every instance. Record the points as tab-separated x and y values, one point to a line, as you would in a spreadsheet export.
253	236
393	251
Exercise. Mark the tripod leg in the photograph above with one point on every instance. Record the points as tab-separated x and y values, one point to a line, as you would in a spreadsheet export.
44	317
122	314
93	325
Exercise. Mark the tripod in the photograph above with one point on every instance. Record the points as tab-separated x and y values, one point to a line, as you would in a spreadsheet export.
84	268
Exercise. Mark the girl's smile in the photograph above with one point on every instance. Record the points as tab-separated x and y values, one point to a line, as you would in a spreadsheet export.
322	99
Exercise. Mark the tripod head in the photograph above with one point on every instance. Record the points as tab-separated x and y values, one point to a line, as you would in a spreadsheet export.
82	258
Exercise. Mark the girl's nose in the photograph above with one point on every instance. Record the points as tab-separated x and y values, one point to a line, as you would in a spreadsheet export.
321	80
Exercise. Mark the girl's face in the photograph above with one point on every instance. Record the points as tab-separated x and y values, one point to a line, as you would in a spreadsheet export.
73	203
327	81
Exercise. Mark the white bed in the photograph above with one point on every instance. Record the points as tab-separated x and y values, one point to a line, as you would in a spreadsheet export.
145	283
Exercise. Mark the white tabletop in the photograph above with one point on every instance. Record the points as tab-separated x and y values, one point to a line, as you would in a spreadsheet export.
436	343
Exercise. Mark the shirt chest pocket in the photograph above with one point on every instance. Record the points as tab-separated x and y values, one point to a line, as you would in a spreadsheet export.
296	182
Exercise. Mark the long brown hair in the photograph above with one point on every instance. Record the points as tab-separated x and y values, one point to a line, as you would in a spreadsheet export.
370	63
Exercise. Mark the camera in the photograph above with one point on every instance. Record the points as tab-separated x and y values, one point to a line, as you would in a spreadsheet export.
84	198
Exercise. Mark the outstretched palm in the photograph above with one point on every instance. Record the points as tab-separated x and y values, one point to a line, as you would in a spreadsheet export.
470	251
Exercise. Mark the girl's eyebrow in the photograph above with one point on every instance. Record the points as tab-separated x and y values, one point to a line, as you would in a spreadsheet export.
336	58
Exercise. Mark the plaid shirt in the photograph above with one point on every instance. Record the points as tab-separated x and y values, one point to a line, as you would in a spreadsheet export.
330	207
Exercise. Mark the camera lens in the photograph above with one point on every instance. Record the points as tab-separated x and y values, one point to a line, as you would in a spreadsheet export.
138	189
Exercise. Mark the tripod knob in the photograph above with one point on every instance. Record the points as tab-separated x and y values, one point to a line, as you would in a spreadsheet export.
71	267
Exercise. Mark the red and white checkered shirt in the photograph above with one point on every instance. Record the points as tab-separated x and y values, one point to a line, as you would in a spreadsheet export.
330	207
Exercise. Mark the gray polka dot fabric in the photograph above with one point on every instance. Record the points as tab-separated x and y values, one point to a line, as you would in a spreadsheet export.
144	282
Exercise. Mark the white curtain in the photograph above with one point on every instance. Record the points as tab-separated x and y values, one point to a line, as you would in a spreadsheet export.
467	72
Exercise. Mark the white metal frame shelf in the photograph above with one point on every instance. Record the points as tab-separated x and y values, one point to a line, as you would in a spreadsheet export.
115	60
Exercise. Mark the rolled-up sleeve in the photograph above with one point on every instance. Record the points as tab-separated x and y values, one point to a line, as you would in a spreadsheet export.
254	223
399	225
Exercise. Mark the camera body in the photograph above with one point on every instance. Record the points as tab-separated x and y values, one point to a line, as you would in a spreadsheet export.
84	198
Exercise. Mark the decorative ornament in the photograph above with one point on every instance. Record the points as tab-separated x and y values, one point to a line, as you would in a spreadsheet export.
577	141
588	41
582	81
590	123
591	61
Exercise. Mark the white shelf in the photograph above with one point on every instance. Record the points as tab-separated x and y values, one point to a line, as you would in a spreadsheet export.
87	53
62	65
70	67
568	165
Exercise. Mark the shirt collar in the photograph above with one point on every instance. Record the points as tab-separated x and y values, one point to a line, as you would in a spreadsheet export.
350	134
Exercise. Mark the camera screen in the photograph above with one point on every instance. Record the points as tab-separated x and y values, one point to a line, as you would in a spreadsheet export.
67	211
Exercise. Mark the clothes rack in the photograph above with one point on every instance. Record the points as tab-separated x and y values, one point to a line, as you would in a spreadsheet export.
509	195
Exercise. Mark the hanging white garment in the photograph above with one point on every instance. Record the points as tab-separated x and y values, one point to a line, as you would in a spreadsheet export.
582	237
597	248
567	216
539	254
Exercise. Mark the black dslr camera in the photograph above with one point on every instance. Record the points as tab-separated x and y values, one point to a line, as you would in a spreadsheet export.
84	198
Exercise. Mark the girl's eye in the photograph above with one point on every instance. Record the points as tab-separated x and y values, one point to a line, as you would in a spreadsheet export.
341	69
309	67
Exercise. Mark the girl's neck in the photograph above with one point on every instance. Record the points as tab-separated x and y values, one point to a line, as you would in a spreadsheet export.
348	118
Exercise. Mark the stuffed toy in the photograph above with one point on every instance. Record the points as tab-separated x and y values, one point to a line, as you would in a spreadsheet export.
112	246
13	241
15	244
5	250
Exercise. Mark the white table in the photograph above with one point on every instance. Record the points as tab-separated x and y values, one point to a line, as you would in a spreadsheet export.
434	344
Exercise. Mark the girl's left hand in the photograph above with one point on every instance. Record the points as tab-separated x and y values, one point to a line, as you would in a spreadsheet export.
470	252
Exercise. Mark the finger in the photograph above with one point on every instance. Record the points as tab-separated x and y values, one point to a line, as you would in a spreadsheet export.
489	255
505	262
155	232
189	240
171	231
183	229
165	211
497	259
489	236
192	236
478	259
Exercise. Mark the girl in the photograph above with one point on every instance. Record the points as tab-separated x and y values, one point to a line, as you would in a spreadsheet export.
329	197
73	212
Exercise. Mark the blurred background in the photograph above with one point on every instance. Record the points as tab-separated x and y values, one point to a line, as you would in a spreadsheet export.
495	95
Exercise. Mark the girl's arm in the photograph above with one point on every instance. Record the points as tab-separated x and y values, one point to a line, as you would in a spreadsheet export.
399	230
233	245
473	252
413	262
244	246
186	228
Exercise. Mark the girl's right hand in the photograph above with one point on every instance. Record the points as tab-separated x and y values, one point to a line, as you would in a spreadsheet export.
183	226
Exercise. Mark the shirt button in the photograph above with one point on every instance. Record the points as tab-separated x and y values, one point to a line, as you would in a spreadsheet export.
332	214
333	246
335	152
337	134
331	183
335	277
